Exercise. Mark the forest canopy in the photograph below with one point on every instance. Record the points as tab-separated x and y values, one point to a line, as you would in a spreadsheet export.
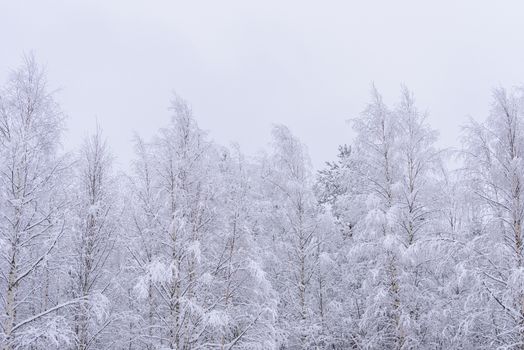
199	246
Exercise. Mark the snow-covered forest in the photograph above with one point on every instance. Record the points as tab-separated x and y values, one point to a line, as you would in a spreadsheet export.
199	246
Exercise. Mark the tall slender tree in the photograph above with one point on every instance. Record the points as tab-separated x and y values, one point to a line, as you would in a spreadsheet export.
93	238
295	238
493	160
33	207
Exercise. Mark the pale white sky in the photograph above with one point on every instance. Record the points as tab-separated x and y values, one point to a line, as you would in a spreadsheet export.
244	65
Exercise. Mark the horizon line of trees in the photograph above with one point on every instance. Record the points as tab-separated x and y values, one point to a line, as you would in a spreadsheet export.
201	247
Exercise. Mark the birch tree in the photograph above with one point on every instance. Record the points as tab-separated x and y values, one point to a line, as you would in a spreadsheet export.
183	164
380	201
33	208
418	160
145	224
93	239
493	160
296	236
246	310
374	252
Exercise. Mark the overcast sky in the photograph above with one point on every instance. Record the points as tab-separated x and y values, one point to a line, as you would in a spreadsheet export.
244	65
